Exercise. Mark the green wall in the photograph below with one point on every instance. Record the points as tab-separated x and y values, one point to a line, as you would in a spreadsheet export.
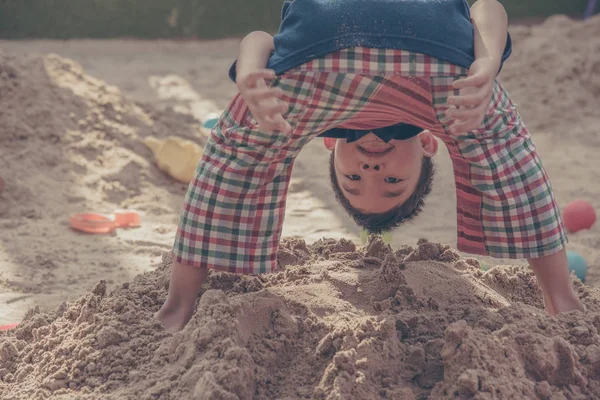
180	18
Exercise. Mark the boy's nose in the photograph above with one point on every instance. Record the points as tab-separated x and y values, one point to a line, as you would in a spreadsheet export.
371	167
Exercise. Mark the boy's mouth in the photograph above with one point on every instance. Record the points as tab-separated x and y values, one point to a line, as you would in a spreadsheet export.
375	152
375	147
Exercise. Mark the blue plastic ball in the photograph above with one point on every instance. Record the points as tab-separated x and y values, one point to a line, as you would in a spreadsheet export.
210	123
577	264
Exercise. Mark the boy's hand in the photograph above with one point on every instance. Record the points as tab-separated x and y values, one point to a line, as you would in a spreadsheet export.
264	102
475	96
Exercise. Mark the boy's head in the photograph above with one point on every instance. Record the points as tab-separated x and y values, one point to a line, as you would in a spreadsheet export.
382	185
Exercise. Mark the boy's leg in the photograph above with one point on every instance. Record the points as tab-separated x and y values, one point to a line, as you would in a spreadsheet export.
505	203
554	278
231	211
184	288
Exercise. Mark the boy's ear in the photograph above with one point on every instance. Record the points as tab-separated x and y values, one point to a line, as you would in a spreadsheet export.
329	143
429	143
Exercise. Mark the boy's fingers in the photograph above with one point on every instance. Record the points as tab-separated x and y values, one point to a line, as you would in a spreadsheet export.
274	109
462	127
260	84
260	74
275	123
470	81
263	94
470	100
284	107
464	113
281	123
266	122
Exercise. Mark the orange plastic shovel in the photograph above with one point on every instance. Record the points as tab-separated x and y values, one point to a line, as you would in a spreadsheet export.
104	223
8	327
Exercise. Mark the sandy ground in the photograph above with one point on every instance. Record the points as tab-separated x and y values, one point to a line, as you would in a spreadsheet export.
72	143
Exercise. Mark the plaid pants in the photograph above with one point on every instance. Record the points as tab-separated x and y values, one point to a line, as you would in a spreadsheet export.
234	207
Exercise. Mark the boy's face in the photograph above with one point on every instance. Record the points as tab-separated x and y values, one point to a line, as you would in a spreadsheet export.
376	176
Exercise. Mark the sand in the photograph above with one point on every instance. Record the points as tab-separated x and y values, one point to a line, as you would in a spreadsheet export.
337	320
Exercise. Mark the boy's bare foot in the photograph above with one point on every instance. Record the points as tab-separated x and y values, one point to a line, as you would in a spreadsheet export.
565	304
184	288
548	306
554	279
173	319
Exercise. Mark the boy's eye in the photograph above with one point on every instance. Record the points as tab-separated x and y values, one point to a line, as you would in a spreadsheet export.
390	179
353	177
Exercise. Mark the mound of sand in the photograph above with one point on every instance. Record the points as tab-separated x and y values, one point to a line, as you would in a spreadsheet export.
65	133
71	143
335	322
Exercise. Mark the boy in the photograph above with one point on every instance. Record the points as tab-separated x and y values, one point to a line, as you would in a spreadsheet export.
362	66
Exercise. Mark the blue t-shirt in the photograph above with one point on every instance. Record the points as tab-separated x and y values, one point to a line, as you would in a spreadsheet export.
314	28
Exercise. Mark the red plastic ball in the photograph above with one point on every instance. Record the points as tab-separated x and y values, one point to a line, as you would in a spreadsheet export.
579	215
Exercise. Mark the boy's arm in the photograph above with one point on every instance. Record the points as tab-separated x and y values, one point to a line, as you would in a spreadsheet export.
490	24
491	29
263	102
255	50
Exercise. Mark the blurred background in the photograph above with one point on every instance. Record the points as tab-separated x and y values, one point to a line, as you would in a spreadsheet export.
203	19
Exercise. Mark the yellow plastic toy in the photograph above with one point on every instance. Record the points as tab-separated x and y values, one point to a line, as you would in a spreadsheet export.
176	156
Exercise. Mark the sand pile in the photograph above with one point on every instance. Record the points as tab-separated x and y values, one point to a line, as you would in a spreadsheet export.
64	132
556	66
336	322
71	143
